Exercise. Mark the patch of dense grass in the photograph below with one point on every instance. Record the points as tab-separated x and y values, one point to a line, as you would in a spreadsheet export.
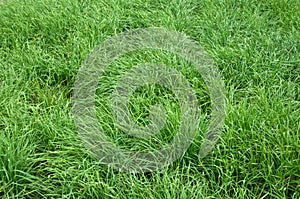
255	44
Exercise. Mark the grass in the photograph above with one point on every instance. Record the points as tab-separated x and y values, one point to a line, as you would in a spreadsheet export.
255	44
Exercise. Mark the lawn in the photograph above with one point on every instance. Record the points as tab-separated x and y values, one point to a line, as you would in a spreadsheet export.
255	44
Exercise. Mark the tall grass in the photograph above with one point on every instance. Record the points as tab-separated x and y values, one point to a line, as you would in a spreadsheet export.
255	44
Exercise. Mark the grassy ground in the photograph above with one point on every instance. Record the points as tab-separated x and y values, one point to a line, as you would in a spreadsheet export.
255	44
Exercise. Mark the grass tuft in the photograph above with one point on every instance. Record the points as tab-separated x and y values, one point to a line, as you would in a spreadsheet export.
254	43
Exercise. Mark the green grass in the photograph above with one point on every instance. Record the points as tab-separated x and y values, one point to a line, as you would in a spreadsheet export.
254	43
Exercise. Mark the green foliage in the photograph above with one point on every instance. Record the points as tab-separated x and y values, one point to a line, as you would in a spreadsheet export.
255	44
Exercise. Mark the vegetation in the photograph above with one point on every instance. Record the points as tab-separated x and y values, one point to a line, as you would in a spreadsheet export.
254	43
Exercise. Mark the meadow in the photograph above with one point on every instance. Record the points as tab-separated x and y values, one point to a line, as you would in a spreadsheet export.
254	43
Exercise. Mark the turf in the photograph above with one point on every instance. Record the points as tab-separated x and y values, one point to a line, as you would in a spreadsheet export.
254	43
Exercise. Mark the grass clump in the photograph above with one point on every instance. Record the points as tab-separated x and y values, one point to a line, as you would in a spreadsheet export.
255	44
